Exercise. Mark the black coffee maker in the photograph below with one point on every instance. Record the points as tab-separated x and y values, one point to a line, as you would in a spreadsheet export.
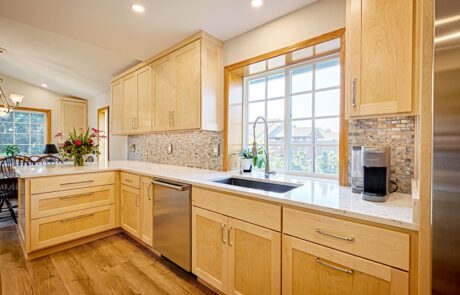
376	173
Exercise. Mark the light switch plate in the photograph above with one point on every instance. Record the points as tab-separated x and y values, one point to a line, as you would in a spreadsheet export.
215	150
170	149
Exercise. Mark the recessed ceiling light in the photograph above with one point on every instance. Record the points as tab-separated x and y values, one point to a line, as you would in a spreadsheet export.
44	85
136	7
257	3
2	50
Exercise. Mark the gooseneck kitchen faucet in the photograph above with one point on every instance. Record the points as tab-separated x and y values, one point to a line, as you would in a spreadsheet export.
254	146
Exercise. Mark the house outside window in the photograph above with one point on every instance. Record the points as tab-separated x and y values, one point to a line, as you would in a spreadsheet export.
27	129
302	105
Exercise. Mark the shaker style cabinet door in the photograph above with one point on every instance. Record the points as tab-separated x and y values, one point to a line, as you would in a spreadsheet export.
115	111
254	259
130	210
209	247
147	211
164	93
379	57
143	119
129	103
309	268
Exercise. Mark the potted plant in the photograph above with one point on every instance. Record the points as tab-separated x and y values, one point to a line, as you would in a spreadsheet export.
79	146
248	159
11	150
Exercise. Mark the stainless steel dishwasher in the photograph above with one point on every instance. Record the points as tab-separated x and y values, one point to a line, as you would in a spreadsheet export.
172	221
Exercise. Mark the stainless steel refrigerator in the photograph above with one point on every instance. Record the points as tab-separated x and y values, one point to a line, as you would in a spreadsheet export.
446	149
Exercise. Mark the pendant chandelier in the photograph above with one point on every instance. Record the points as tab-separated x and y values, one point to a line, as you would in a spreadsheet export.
5	105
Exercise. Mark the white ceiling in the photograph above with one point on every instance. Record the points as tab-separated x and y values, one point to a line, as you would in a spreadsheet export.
76	47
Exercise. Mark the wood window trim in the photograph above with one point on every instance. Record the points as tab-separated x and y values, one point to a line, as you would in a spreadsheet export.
48	119
232	69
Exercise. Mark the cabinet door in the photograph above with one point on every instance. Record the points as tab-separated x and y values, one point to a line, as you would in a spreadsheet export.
147	211
143	117
254	259
130	210
187	113
209	247
309	268
115	112
163	93
129	103
380	56
73	114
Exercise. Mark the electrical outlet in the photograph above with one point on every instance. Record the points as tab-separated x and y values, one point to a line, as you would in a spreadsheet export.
215	150
170	149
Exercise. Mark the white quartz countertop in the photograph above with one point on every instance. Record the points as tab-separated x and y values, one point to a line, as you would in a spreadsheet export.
313	193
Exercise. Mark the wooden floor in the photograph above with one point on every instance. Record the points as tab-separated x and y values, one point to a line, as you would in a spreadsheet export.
114	265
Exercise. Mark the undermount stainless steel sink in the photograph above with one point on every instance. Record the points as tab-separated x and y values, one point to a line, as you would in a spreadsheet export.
260	185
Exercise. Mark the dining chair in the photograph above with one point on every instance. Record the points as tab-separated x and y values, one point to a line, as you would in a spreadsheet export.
9	181
48	160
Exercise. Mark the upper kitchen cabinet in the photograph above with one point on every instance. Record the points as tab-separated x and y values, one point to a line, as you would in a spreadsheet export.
185	90
380	48
72	115
137	101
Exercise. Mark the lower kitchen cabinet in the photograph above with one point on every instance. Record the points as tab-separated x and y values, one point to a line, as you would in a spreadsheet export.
309	268
234	256
131	210
146	227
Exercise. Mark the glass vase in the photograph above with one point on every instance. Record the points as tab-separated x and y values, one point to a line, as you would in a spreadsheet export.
78	161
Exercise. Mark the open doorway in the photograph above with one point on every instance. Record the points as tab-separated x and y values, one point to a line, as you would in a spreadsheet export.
103	126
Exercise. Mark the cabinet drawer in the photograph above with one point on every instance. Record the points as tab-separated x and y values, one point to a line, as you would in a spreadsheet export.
67	182
263	214
309	268
381	245
48	204
129	179
53	230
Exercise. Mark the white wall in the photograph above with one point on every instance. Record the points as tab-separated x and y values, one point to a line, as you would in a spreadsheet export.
118	145
34	97
310	21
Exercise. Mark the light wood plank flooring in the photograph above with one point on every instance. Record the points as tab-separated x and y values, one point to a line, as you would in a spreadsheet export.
114	265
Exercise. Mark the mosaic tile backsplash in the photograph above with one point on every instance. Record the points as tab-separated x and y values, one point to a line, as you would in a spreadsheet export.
398	133
189	148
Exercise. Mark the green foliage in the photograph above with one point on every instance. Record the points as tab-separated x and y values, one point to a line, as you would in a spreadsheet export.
246	154
327	162
11	150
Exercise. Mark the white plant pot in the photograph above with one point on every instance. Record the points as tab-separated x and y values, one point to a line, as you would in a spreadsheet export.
247	165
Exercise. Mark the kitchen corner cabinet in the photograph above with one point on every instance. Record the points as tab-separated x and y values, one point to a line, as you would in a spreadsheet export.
309	268
227	251
379	74
181	89
72	114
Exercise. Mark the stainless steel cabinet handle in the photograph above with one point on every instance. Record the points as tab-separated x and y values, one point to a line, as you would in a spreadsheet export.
148	192
222	237
229	236
77	182
135	123
137	200
127	180
353	91
74	196
348	271
173	116
77	217
350	239
169	116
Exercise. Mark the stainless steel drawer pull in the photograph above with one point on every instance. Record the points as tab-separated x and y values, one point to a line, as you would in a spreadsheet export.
127	180
348	271
77	217
77	182
223	239
229	237
350	239
75	196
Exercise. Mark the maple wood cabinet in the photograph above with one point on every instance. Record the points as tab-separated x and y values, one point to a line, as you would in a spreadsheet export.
181	89
379	73
131	210
234	256
72	115
309	268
